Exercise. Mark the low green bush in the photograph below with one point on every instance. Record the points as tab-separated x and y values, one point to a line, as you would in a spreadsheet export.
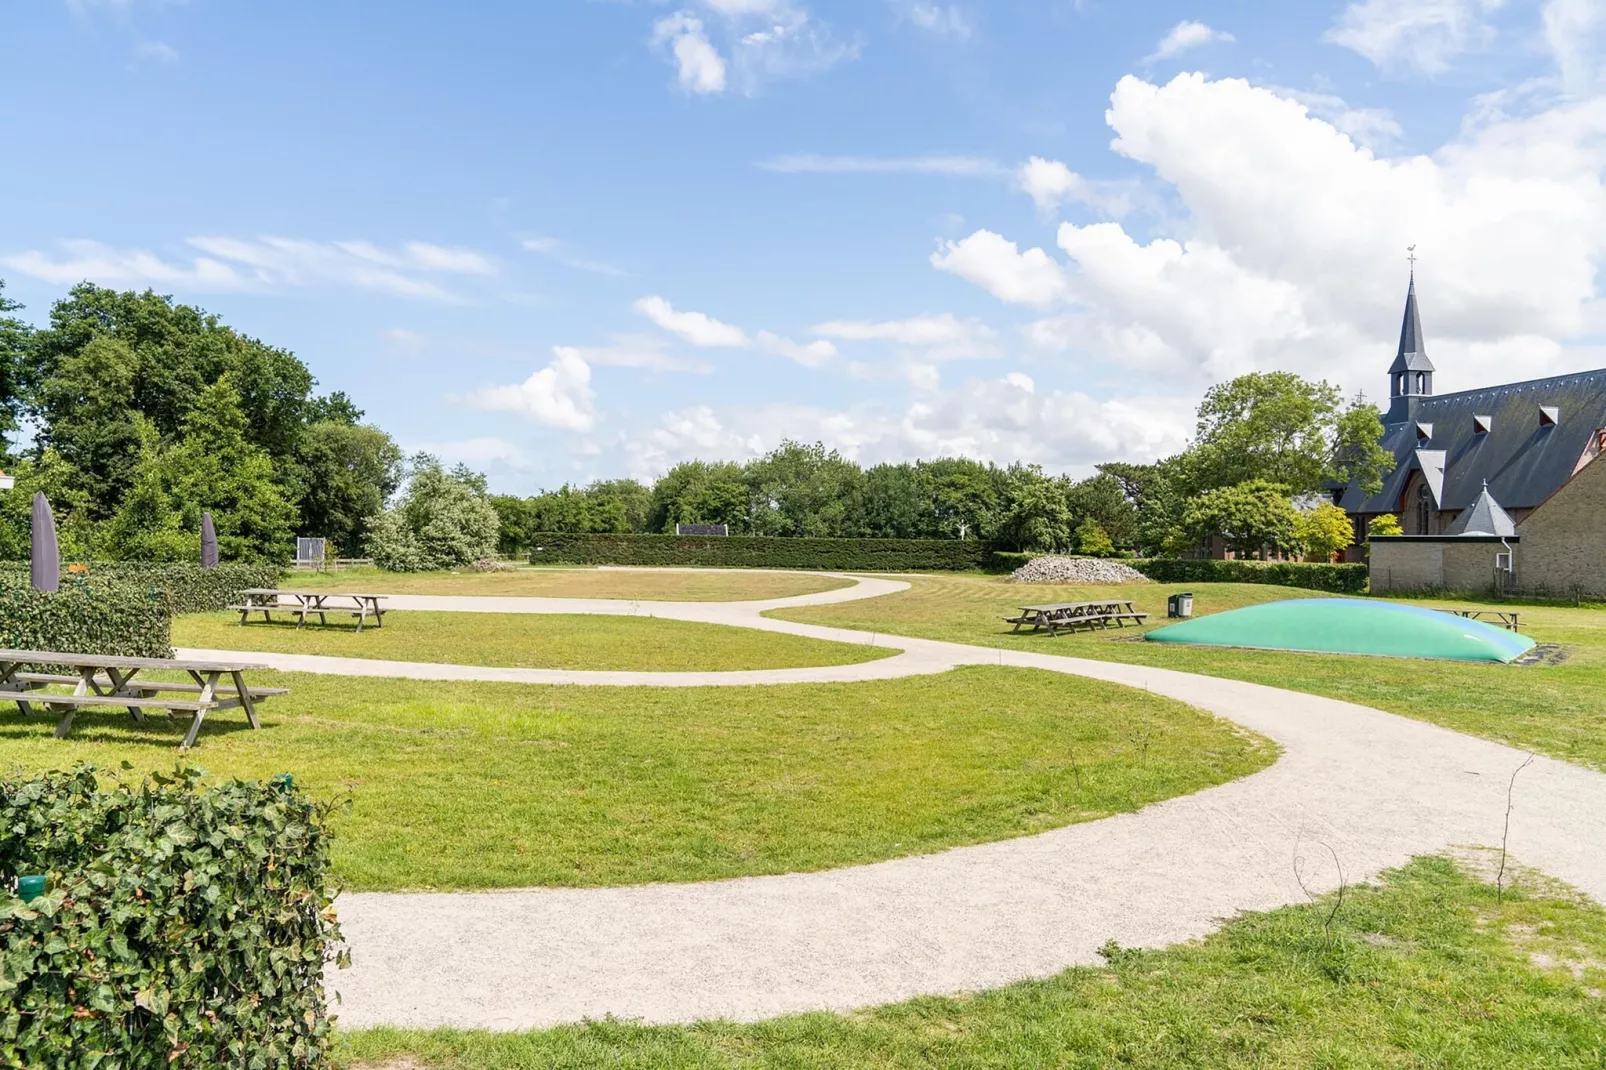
188	588
763	551
186	925
1336	579
1002	561
87	616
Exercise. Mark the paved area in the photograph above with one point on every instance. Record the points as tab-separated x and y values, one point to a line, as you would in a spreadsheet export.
1376	787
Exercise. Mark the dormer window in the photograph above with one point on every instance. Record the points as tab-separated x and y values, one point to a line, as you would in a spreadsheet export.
1549	416
1424	433
1482	425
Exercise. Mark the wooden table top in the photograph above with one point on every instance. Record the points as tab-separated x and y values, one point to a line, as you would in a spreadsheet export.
312	594
111	661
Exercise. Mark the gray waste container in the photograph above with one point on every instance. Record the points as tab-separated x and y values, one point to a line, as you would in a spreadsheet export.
1180	604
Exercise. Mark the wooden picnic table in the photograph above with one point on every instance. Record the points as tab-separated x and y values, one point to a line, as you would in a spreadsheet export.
109	680
1073	615
1507	617
303	604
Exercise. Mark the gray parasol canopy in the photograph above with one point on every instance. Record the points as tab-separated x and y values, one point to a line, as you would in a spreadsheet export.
46	555
208	541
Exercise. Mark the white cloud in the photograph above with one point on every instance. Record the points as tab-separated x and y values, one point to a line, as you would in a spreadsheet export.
699	68
1422	34
637	351
941	337
943	20
814	354
1288	246
1375	128
229	264
1050	184
1183	36
810	163
998	266
553	249
1000	420
558	395
1572	29
695	327
159	51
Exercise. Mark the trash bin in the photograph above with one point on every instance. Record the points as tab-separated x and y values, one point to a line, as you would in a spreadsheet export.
1180	604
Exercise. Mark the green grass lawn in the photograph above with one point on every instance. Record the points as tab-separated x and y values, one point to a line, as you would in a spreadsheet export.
1554	709
1426	969
628	585
494	785
527	640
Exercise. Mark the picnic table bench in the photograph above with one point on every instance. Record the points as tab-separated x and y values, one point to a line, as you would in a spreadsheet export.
108	680
303	604
1507	617
1073	615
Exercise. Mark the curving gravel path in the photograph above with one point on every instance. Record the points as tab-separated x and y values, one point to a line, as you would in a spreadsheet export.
1376	787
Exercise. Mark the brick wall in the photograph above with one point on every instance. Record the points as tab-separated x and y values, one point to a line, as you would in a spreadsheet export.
1442	563
1563	550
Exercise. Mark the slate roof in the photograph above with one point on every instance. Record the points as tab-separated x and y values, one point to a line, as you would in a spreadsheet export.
1523	461
1484	517
1413	354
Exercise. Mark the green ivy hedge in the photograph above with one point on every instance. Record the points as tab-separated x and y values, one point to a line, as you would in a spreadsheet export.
763	551
1337	579
188	588
186	926
87	617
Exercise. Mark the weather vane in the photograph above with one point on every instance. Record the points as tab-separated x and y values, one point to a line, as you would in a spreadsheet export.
1411	256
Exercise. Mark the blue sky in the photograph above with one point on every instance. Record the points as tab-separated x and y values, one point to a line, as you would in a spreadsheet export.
572	239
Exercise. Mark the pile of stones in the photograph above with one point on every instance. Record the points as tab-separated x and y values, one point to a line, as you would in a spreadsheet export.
1078	571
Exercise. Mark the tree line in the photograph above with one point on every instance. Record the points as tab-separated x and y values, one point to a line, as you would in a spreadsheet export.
1268	447
143	412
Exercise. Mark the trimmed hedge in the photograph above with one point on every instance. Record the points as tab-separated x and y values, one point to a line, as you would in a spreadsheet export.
87	617
1336	579
186	926
188	588
763	551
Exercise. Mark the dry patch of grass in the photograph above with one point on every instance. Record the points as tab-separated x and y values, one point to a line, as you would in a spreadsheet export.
644	585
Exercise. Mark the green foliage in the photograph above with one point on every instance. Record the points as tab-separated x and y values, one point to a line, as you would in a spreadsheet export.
762	551
1103	500
87	616
1251	518
1335	579
1280	428
1386	524
1323	531
1037	518
214	466
183	587
1093	540
443	520
63	485
186	925
15	338
347	471
803	491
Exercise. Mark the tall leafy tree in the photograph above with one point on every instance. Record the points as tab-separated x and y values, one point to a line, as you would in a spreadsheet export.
1251	518
347	471
15	338
1102	500
444	519
700	492
806	490
1036	517
896	503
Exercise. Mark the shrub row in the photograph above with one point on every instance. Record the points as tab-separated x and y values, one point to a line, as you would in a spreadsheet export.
188	588
87	617
185	925
1337	579
763	551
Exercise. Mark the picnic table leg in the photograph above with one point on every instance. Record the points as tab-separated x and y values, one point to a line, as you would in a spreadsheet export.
362	615
200	714
7	671
120	687
245	699
379	615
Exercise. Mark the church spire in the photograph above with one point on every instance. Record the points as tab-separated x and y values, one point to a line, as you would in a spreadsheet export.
1411	374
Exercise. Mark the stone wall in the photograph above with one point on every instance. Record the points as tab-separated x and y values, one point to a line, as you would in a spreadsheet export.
1564	540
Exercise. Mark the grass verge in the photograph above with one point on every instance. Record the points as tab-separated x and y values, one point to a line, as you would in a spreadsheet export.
708	585
1426	968
467	786
1553	709
528	640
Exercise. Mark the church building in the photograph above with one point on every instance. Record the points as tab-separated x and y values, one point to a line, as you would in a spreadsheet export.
1476	462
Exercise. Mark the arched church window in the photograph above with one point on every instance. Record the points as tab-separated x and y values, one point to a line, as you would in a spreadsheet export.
1424	510
1421	382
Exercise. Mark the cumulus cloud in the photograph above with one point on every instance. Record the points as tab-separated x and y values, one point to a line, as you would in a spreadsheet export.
815	354
699	68
998	266
558	395
1051	184
1289	246
1421	34
1183	36
694	327
637	351
410	270
999	420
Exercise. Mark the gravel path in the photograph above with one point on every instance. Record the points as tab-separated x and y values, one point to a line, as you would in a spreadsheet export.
1376	787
